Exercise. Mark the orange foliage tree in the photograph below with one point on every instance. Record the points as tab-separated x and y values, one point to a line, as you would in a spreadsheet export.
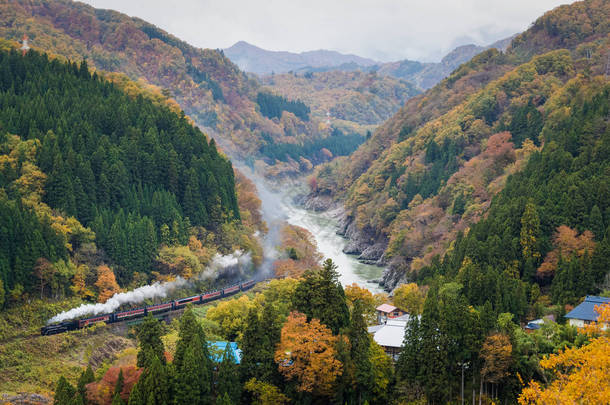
300	247
106	283
306	352
567	242
582	375
101	392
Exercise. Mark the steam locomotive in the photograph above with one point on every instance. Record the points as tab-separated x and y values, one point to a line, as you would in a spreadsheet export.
151	309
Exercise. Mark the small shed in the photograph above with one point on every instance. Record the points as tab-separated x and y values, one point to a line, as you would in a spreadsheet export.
585	313
387	311
217	350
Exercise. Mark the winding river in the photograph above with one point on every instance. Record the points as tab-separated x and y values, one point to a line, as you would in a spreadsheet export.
278	206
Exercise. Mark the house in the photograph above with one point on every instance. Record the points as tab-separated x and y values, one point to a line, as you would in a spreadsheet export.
390	335
585	313
217	350
537	323
387	311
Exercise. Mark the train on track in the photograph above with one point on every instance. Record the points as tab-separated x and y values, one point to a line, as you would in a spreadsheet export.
151	309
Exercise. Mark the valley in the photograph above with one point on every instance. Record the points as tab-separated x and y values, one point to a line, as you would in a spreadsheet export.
323	228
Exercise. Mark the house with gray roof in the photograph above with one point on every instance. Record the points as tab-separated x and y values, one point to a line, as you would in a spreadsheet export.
585	313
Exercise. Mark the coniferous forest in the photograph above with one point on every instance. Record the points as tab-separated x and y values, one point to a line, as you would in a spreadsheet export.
132	173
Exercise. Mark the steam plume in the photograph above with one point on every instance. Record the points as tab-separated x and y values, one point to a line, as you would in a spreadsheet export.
231	264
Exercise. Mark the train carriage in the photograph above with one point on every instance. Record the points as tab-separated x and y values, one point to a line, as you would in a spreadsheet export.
231	290
211	296
130	314
90	321
196	299
159	308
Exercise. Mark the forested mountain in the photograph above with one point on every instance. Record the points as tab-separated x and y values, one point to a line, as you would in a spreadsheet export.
433	169
355	99
253	59
207	85
96	176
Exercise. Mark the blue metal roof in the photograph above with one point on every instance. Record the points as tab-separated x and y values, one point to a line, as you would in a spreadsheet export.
217	351
586	310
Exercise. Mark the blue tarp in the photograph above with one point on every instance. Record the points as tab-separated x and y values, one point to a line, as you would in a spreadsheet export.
217	350
586	310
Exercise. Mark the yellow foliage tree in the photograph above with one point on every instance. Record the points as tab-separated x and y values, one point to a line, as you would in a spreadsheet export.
231	316
410	298
265	394
582	375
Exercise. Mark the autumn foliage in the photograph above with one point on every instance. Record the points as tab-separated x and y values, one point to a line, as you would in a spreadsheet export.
581	374
306	353
101	392
106	283
567	242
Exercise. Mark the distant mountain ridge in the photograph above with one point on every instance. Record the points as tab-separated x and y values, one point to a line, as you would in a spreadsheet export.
261	61
427	75
424	75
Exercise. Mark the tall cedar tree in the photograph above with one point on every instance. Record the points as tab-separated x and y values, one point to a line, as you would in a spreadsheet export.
261	336
85	378
227	379
360	342
64	393
151	345
320	295
192	365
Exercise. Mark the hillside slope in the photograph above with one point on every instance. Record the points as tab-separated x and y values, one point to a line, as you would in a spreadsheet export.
207	85
361	98
433	169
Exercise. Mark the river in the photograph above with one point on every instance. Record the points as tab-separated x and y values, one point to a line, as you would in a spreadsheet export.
278	206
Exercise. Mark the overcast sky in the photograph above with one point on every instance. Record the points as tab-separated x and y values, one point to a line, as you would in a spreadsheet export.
384	30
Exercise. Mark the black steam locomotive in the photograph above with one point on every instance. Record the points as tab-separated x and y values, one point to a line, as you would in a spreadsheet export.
151	309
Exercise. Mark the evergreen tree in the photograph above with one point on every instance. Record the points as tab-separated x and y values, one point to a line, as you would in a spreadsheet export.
136	396
224	399
227	379
320	295
193	376
118	388
360	348
85	378
151	346
64	393
596	223
156	381
260	338
189	328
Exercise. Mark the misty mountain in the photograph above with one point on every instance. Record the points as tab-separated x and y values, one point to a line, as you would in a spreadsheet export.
427	75
261	61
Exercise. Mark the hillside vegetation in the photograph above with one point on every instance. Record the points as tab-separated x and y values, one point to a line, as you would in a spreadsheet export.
95	182
433	169
207	85
364	99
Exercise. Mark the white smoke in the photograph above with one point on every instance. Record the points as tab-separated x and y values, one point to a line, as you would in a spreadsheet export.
232	263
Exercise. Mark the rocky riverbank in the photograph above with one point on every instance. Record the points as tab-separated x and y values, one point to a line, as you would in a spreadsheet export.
368	247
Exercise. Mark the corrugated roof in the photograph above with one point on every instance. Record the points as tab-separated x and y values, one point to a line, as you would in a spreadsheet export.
391	335
387	308
586	310
375	328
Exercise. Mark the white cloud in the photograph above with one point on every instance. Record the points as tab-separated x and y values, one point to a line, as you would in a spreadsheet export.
378	29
